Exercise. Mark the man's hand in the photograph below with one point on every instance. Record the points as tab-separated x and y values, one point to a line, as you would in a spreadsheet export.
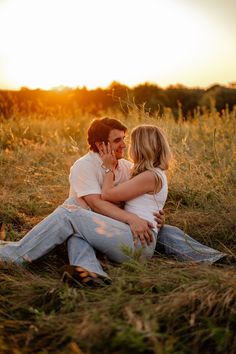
160	218
141	229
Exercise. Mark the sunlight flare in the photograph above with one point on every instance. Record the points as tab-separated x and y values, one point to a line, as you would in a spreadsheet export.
77	43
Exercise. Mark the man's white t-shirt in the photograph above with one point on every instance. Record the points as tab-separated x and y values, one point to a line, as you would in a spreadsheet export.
87	174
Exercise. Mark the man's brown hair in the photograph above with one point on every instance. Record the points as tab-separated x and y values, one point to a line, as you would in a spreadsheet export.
100	128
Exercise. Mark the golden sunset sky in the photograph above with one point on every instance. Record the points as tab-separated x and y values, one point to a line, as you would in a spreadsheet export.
75	43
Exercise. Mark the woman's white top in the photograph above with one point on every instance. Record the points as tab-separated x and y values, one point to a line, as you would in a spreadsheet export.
146	204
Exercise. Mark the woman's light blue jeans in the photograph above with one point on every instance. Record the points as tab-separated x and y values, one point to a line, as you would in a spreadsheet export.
86	232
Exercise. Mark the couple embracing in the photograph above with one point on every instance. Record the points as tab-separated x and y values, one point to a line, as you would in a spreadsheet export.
113	204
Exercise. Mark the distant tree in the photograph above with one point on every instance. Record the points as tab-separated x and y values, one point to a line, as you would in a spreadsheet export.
118	91
181	100
232	84
219	97
179	95
151	95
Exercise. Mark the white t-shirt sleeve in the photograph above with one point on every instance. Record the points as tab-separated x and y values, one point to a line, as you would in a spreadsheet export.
84	179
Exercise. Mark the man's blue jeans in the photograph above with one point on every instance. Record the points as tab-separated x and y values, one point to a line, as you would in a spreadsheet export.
86	232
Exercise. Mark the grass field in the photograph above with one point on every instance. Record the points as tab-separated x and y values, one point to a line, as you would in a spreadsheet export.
160	306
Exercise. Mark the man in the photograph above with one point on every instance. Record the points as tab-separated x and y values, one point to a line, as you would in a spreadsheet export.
86	178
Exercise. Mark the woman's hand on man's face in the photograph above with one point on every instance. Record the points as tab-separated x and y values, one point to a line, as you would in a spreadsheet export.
108	157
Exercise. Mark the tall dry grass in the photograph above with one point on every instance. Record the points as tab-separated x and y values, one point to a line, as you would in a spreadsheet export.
160	306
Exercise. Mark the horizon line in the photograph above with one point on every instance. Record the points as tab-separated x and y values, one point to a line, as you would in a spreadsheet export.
231	84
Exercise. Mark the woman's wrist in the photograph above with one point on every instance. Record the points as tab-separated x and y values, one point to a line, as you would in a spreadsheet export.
109	176
108	168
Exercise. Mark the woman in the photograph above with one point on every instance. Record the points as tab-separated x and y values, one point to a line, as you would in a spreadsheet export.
146	191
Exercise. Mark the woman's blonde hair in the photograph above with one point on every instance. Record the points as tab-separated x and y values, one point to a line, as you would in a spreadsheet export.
149	149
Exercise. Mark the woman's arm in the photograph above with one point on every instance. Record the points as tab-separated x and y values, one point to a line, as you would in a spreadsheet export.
136	186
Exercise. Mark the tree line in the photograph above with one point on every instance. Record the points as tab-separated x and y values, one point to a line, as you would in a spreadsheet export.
117	96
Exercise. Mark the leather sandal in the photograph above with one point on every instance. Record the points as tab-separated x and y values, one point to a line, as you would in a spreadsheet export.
75	274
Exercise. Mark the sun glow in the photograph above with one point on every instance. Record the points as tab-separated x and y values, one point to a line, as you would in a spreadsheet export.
76	43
